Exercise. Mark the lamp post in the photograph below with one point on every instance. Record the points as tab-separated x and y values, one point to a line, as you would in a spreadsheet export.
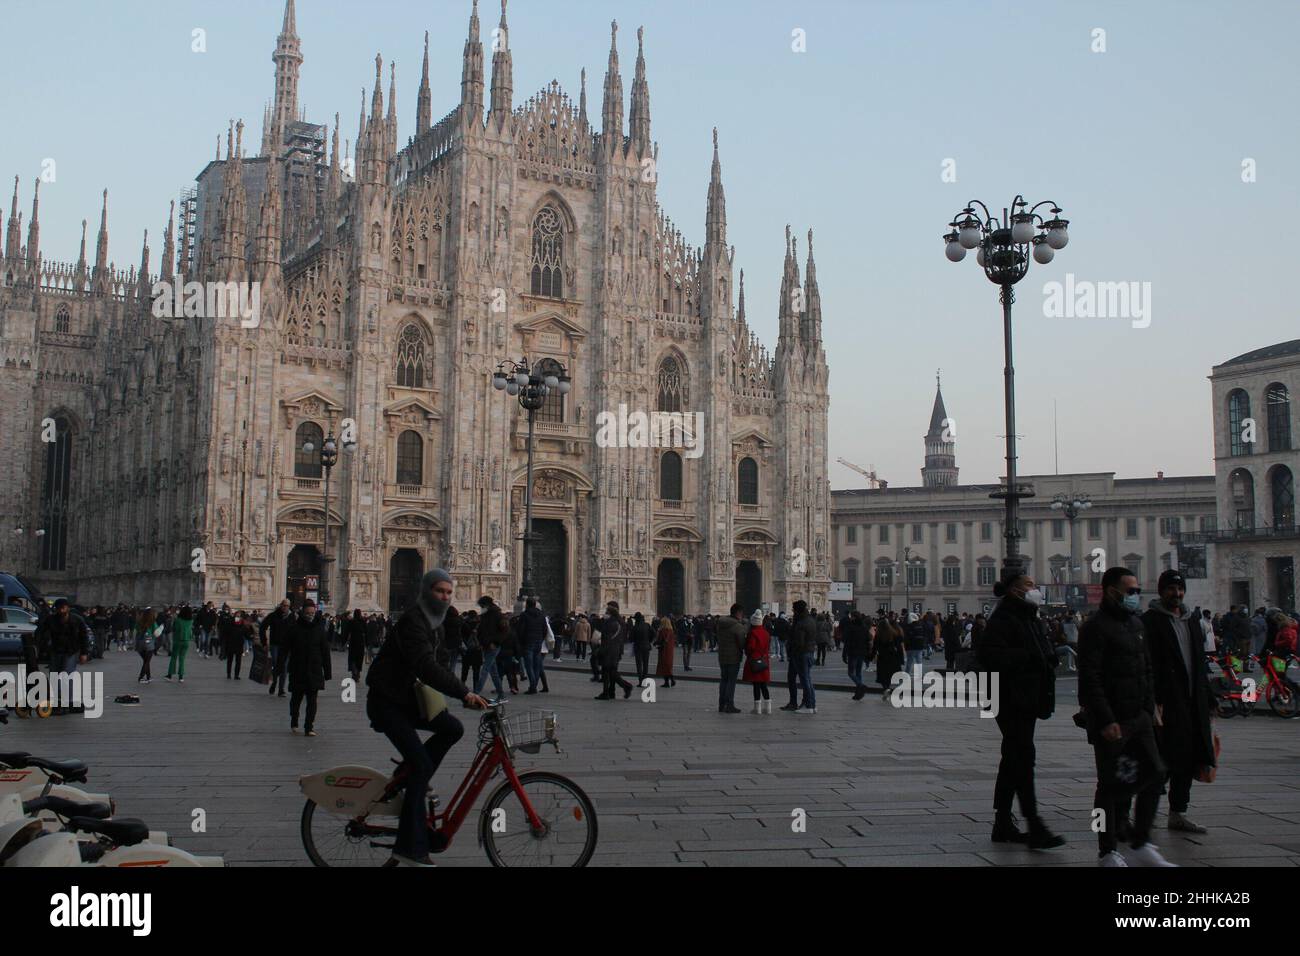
907	578
531	386
329	457
1005	246
1071	505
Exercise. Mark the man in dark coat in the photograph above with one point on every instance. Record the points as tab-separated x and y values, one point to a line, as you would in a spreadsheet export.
857	648
642	640
308	666
613	636
732	633
532	640
1117	692
1015	646
1182	693
410	654
274	634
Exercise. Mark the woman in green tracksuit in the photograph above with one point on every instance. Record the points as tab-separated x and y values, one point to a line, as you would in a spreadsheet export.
182	633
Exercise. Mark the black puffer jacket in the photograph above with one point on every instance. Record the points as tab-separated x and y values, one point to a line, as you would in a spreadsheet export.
1015	645
1115	683
410	652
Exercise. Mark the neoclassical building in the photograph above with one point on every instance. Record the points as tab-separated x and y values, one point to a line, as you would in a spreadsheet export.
158	453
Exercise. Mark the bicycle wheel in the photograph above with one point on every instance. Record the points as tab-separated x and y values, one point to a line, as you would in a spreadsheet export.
335	841
568	834
1225	707
1283	699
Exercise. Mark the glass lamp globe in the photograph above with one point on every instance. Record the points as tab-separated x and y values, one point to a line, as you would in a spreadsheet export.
499	382
308	447
512	388
979	257
521	379
1043	253
1022	228
565	385
955	251
970	234
551	381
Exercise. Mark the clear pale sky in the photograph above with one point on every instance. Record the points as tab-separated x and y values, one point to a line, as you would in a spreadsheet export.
1142	145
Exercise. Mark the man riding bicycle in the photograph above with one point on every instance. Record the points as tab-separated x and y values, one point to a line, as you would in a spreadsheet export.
411	653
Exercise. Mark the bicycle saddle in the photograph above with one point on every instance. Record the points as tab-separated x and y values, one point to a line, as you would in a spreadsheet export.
17	759
68	808
121	832
73	771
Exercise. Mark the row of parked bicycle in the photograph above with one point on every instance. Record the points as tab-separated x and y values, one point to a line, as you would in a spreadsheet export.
47	821
1237	691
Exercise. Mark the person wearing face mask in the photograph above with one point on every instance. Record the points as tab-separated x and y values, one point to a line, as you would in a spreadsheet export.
1015	646
1117	692
410	653
308	666
1182	691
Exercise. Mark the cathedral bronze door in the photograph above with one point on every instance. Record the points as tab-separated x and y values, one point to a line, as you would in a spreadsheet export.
550	553
303	571
670	587
405	570
749	586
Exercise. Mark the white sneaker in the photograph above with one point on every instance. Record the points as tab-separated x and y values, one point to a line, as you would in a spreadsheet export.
1148	854
1113	858
806	710
758	707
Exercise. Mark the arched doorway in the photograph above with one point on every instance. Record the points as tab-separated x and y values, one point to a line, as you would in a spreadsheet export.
405	569
550	553
749	586
670	587
302	574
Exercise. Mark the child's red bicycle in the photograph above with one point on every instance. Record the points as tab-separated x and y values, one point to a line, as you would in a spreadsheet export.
533	818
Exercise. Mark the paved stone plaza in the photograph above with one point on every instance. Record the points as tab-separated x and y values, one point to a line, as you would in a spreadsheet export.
674	782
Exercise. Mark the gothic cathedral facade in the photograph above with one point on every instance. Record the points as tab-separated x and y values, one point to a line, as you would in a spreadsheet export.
163	453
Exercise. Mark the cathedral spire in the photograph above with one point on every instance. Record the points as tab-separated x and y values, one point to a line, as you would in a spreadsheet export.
34	228
14	235
391	146
424	108
100	275
502	71
582	102
940	449
811	323
740	303
792	298
231	213
611	114
288	60
715	220
169	246
143	285
639	116
266	250
81	260
471	76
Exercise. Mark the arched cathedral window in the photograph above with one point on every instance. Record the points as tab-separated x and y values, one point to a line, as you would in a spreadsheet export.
412	360
55	496
307	464
671	387
548	255
552	409
748	482
63	320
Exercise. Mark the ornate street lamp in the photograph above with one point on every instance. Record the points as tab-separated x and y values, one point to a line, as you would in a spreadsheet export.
1004	249
906	565
531	386
329	457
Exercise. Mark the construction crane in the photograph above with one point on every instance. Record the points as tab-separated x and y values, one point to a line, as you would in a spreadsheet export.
872	480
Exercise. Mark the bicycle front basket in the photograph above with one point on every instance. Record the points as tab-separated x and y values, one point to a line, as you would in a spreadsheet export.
528	731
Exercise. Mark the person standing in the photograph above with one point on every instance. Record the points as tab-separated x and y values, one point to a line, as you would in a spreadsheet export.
354	634
804	633
68	639
581	636
731	635
1258	637
532	638
308	665
1015	646
642	638
665	642
471	655
914	637
758	663
824	631
1182	692
146	640
182	634
1117	692
951	633
793	658
684	638
612	638
231	628
274	634
888	651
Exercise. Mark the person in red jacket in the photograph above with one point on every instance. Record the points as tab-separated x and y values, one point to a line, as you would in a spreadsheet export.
1285	641
758	663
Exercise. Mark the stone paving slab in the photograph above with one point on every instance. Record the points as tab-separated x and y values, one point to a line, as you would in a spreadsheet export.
675	783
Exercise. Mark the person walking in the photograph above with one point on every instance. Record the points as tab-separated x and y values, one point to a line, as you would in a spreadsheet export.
732	636
857	647
471	654
665	642
612	639
308	664
1175	643
491	628
581	636
683	629
1117	692
642	638
914	638
182	635
146	640
233	634
354	634
951	642
274	631
758	663
1015	647
805	625
888	650
532	639
1258	638
825	629
793	658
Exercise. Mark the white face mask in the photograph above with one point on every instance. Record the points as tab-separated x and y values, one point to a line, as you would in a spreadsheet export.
1034	597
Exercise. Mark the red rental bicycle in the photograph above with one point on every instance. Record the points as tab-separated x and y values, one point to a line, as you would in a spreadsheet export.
535	818
1282	695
